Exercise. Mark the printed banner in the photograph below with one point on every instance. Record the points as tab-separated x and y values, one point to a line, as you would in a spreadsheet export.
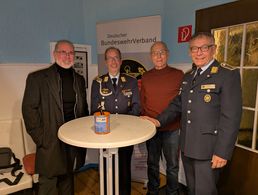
133	37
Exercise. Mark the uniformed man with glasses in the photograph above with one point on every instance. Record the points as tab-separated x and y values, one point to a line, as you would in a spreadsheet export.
117	93
210	106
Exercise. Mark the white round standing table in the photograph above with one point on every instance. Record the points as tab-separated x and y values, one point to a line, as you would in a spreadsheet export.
125	130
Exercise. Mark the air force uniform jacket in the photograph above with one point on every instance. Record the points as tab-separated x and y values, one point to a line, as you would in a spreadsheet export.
124	100
210	112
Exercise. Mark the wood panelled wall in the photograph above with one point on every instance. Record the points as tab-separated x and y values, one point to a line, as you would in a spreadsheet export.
226	15
240	176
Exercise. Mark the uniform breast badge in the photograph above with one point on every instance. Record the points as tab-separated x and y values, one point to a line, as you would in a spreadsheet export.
127	92
207	98
105	91
208	86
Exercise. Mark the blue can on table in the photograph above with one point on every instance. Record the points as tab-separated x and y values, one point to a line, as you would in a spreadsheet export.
102	122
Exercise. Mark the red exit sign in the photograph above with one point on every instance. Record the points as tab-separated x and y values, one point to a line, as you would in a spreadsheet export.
184	33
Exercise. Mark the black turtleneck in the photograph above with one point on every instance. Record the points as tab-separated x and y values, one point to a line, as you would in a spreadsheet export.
68	93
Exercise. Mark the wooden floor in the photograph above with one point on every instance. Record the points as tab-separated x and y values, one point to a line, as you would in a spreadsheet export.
87	182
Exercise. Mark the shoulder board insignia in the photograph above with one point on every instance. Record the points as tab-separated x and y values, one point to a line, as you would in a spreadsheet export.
98	79
227	66
105	79
123	79
214	70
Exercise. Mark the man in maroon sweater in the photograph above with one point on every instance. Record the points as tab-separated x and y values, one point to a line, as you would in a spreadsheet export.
159	86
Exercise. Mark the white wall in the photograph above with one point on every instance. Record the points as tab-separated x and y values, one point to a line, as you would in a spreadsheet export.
184	67
12	84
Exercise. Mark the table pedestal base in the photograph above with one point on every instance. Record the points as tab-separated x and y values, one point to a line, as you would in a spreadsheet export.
108	154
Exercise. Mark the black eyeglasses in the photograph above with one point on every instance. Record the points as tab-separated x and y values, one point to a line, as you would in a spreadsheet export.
203	48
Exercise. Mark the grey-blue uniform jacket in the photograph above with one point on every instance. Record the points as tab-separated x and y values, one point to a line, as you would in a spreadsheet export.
124	100
210	112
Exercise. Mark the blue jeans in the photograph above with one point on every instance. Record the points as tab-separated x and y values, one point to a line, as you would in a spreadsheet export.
166	142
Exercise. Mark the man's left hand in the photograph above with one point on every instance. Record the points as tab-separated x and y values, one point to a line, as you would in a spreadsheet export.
218	162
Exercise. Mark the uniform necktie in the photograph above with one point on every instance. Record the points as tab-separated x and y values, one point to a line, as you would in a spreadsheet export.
114	82
197	74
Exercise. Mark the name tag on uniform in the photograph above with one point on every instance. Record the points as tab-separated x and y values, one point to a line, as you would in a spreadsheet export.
127	92
208	86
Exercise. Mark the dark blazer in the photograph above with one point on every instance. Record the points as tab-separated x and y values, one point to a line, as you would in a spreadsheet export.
125	100
42	111
211	112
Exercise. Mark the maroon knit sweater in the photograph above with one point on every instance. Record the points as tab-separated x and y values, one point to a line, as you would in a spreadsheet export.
158	88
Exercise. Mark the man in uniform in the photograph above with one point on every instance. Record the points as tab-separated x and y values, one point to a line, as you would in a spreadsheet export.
118	94
210	105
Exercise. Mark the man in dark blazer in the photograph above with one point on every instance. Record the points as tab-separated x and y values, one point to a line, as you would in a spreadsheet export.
210	105
117	93
52	97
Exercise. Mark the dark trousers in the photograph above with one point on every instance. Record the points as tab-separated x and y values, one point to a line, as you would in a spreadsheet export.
201	179
125	156
165	142
60	185
124	164
63	184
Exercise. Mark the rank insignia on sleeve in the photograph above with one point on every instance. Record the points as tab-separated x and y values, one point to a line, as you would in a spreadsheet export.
98	79
214	70
207	98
